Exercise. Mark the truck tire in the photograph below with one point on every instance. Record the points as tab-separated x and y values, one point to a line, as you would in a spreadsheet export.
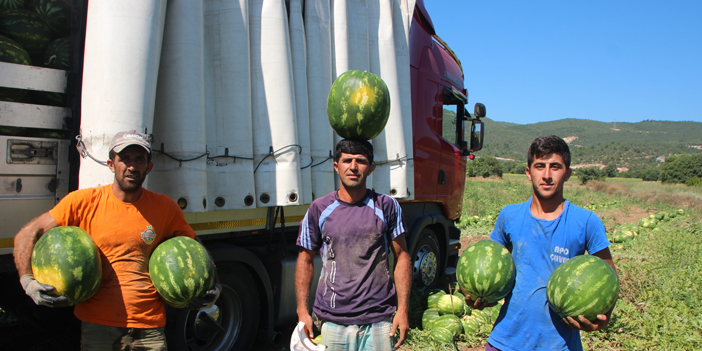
236	312
426	260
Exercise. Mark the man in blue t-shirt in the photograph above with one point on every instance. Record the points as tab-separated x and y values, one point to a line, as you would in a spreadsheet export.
542	233
354	230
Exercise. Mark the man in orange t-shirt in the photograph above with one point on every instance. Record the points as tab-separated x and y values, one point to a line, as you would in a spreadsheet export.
127	222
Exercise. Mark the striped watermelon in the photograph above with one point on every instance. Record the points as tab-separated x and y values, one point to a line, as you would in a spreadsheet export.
58	54
471	324
181	270
442	336
358	105
428	317
12	52
56	13
486	270
450	323
433	296
11	4
450	304
29	30
68	259
584	285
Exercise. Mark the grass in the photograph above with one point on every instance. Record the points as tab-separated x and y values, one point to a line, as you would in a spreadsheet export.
660	304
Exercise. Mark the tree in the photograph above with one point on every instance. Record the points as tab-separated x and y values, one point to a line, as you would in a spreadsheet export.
484	167
590	173
680	168
611	170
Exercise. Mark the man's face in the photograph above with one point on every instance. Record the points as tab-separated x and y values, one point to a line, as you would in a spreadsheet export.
130	168
353	170
547	175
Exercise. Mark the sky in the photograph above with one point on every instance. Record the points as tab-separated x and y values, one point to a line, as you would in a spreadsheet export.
609	61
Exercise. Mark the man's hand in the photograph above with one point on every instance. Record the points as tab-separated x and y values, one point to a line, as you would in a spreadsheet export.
208	300
307	319
40	293
400	321
477	304
585	325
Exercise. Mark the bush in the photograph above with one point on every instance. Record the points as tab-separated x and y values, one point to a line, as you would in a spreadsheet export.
590	173
694	181
678	169
611	170
484	167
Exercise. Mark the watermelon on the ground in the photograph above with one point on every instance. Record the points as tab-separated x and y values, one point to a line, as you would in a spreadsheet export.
442	336
27	28
56	13
449	322
428	317
451	304
471	324
181	270
433	296
486	270
584	285
68	259
358	105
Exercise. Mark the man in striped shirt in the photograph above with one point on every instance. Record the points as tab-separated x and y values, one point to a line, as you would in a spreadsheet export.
354	230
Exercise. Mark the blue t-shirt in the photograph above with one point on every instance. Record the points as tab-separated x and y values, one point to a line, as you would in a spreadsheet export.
353	240
538	247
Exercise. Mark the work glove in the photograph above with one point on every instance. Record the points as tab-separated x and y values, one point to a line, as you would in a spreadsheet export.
41	293
208	300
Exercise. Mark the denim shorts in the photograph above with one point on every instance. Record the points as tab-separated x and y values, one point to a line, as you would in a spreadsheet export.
101	337
367	337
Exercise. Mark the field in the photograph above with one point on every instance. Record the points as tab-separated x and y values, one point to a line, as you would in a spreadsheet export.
660	306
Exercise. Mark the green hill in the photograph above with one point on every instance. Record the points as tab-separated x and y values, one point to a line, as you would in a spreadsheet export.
629	145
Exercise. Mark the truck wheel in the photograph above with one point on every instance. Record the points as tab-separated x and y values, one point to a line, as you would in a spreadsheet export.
425	261
231	324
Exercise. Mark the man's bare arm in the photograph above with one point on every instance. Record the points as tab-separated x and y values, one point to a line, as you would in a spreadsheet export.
304	274
27	238
403	279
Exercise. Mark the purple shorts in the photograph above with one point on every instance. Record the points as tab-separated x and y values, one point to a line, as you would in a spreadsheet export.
489	347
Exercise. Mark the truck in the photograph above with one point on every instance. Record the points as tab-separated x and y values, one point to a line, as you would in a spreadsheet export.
233	94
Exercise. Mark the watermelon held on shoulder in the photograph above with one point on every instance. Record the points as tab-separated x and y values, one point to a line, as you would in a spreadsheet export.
27	28
358	105
181	270
68	259
584	285
486	270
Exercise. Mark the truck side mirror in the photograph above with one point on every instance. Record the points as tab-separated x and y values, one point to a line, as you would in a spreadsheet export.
479	110
476	134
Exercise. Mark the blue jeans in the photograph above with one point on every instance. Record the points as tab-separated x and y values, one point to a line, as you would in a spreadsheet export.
367	337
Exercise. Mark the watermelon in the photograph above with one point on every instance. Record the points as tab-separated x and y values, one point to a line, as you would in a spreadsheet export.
433	296
450	304
486	270
471	324
58	53
181	270
12	52
56	13
11	4
29	30
68	259
450	323
621	235
358	105
442	336
584	285
428	317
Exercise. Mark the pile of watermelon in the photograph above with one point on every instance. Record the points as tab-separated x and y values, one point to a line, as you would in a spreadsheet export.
622	236
447	316
35	32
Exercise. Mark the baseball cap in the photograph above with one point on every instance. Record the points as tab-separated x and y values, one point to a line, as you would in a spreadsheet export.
132	137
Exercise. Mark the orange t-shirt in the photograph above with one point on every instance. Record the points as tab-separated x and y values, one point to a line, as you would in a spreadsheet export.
126	234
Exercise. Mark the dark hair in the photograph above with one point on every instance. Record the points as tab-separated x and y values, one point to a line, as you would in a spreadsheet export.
551	144
354	147
113	154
